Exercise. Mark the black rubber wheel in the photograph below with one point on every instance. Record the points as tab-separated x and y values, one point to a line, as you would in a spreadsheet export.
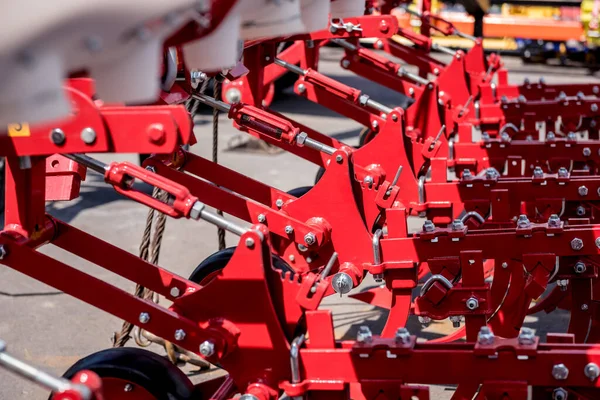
141	367
217	261
300	191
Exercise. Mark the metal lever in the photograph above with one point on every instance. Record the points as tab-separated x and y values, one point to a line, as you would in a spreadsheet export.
290	67
396	177
416	78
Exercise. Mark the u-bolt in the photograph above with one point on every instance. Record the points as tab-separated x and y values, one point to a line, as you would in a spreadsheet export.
432	280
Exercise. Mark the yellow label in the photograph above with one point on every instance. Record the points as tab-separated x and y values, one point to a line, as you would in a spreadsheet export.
16	130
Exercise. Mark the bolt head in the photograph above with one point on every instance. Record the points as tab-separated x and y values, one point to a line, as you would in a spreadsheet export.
402	336
342	283
301	138
144	318
563	172
310	238
339	159
560	372
456	320
538	172
368	180
428	226
411	91
207	348
587	151
467	174
364	335
594	107
233	95
485	336
554	221
301	88
526	336
262	218
550	136
582	190
128	387
88	135
559	394
57	136
592	371
279	203
523	221
424	321
249	243
597	241
289	229
175	292
580	211
179	334
156	133
457	225
374	124
196	210
577	244
504	265
472	303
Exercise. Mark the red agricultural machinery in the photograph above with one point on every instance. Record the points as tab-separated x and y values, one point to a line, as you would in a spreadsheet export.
508	178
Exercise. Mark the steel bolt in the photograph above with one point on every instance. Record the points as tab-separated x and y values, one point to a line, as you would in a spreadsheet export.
491	173
279	203
374	125
467	174
485	336
262	218
522	99
364	334
342	283
523	222
368	180
424	321
591	371
175	292
554	221
584	307
144	318
583	191
249	243
207	348
88	135
580	211
587	151
562	284
156	133
504	265
485	137
151	169
550	136
526	336
594	107
472	303
233	95
579	267
572	136
457	225
560	372
179	334
289	229
248	396
339	159
538	172
362	99
577	244
128	387
559	394
428	226
57	136
310	238
301	138
402	336
301	88
505	137
504	99
455	319
196	210
563	172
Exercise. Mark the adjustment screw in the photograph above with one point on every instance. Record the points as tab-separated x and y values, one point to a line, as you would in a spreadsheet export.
526	336
428	226
583	191
249	243
88	135
207	348
175	292
577	244
310	238
402	336
57	136
592	371
579	268
560	372
485	336
364	335
144	318
179	334
289	229
472	303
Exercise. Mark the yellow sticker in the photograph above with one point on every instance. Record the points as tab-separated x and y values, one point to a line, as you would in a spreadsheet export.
16	130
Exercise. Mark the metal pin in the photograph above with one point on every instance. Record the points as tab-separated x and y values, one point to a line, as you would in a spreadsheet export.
396	177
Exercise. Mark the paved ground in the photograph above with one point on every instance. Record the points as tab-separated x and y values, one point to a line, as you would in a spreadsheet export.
52	330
